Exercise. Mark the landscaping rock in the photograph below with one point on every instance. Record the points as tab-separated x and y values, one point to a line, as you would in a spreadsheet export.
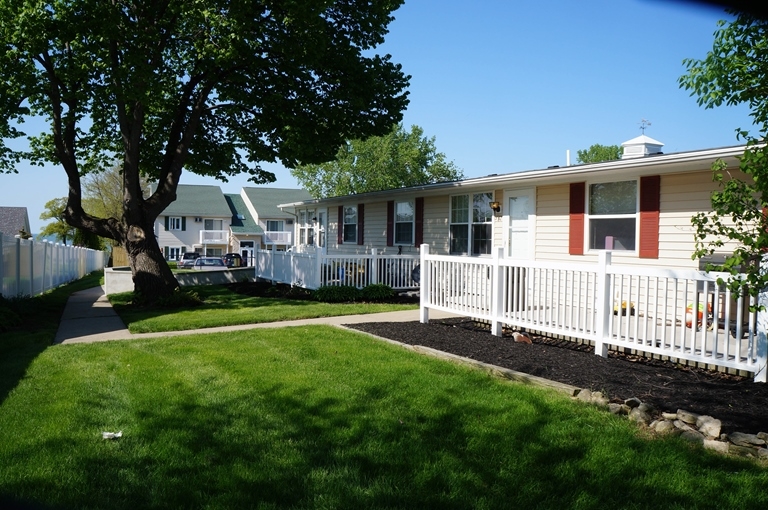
599	399
687	416
616	409
708	426
633	402
742	451
694	436
741	439
665	427
717	446
669	416
585	395
640	416
682	425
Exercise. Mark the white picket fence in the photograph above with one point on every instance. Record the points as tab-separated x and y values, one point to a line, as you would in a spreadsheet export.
314	268
681	314
29	268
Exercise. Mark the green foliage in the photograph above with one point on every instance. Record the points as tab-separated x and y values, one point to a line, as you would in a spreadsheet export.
337	294
209	87
9	319
87	239
598	153
735	72
395	160
376	292
54	210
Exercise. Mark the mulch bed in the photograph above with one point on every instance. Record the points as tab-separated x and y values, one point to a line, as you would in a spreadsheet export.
740	403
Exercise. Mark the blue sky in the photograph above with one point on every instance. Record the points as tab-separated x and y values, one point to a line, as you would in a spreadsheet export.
508	86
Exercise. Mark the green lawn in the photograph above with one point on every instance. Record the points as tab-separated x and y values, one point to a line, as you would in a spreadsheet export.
316	417
223	307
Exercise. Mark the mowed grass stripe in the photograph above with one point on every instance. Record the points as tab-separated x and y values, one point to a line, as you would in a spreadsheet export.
317	417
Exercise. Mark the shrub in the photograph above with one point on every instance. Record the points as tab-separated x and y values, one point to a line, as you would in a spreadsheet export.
377	292
8	318
337	293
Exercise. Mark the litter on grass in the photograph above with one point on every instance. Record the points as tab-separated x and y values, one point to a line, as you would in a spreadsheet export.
111	435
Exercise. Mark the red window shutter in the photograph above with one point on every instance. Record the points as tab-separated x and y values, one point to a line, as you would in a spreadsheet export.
391	223
650	204
340	229
576	218
419	236
360	222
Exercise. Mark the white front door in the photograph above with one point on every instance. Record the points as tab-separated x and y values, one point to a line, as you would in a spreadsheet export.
520	222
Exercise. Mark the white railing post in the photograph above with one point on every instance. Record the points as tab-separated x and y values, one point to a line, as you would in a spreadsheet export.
497	306
603	305
373	278
761	374
272	263
424	284
319	255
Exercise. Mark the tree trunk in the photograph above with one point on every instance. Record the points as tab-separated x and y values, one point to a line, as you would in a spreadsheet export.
152	278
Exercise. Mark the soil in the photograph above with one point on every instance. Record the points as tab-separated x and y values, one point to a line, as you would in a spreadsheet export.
738	402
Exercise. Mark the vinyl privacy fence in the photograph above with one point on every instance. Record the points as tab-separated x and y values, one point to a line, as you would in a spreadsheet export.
29	267
680	314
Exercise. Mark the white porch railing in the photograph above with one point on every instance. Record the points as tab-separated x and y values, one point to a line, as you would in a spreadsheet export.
681	314
214	236
29	268
314	268
274	237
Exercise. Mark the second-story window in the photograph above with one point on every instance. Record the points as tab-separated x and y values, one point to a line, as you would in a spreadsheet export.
275	225
213	224
174	223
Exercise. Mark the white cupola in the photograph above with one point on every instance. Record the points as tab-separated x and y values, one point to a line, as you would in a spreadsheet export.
640	147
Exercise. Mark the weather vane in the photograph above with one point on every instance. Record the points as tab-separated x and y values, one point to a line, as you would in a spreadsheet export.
644	124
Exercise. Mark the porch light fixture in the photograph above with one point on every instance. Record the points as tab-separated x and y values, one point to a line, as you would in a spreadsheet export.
496	206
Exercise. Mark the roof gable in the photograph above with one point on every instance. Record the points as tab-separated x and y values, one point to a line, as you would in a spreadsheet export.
198	200
265	200
13	219
242	221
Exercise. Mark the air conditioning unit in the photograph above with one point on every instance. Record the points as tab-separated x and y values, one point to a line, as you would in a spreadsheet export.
198	220
289	222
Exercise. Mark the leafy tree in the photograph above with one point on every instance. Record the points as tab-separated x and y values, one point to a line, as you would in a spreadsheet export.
397	159
598	153
734	72
54	210
209	87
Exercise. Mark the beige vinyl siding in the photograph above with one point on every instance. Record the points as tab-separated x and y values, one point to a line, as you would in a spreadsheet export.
436	223
551	241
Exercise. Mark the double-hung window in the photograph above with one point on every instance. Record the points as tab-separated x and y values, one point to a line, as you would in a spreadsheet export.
612	216
350	224
174	223
404	222
471	224
275	225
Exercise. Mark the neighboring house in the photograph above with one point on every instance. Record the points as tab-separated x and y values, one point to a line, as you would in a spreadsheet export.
205	220
198	220
279	225
640	207
13	220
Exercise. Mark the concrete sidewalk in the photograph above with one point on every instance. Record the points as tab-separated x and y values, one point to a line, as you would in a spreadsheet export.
89	317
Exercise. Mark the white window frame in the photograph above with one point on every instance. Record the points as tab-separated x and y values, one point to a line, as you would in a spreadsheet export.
470	224
174	252
411	222
213	221
349	226
280	224
306	226
174	222
589	217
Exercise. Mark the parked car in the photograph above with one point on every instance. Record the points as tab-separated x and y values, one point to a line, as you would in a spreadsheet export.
187	260
208	264
233	260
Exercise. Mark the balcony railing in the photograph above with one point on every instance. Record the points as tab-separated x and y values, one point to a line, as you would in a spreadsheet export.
214	236
273	237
